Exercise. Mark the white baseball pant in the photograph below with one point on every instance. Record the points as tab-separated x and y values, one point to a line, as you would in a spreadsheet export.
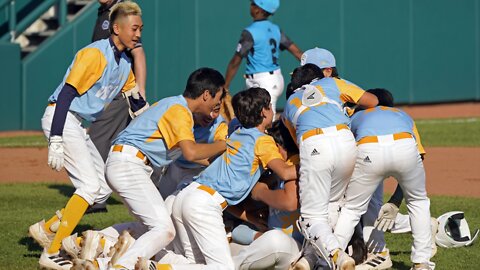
326	165
83	163
389	157
197	215
130	178
272	250
272	82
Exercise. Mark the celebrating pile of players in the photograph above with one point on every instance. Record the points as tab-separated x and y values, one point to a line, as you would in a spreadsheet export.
238	191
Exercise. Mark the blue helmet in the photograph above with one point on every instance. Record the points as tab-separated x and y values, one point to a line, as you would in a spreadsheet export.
269	6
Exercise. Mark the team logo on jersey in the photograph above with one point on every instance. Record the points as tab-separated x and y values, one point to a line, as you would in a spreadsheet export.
367	160
314	152
105	25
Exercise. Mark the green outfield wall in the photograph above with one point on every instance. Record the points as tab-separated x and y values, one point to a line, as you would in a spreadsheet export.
424	51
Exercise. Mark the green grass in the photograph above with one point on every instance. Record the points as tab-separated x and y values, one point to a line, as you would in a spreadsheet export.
24	141
434	132
25	204
450	132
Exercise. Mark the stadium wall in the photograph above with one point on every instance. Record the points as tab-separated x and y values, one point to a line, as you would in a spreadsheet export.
423	51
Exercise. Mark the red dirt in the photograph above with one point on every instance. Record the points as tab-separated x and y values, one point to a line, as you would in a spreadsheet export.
450	170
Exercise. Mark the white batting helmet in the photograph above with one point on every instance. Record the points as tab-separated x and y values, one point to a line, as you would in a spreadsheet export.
453	230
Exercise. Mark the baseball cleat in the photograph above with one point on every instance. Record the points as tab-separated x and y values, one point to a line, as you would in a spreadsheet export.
70	246
145	264
125	241
423	266
55	261
38	232
80	264
343	261
91	246
376	261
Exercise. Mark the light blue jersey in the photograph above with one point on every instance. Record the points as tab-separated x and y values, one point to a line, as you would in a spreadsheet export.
208	134
97	78
380	121
263	57
234	174
331	94
157	131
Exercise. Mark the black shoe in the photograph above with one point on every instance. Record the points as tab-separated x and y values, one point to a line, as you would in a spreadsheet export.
97	208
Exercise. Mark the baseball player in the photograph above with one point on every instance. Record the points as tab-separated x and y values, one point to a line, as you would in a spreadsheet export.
261	43
207	129
197	210
387	146
327	150
157	137
116	116
98	73
277	247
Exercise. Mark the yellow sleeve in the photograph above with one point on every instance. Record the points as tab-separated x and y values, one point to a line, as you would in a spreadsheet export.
221	132
87	69
176	125
266	150
348	91
130	83
417	138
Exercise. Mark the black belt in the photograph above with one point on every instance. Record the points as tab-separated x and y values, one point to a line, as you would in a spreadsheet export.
250	76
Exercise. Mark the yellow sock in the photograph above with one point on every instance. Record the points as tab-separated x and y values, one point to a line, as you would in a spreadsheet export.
102	242
335	255
78	241
49	223
72	214
164	267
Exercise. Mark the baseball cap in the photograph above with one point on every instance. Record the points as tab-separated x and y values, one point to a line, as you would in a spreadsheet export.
269	6
318	56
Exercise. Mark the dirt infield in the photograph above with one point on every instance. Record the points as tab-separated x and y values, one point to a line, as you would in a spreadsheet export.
450	171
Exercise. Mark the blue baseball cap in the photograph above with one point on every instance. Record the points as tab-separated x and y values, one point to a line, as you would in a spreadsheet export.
269	6
318	56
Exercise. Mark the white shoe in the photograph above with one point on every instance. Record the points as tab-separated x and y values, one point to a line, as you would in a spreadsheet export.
91	246
434	227
125	241
423	266
145	264
80	264
70	246
343	261
54	261
376	261
40	235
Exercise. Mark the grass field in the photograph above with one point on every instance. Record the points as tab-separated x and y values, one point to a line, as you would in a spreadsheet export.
25	204
435	132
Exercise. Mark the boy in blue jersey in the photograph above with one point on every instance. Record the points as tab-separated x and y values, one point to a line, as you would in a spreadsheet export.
261	43
388	145
197	210
156	138
314	115
99	72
